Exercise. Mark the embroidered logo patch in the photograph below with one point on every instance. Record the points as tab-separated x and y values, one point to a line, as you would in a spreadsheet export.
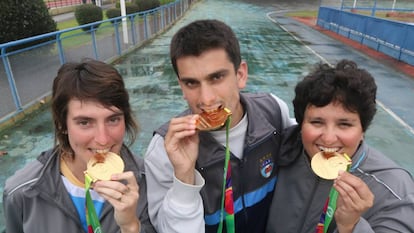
266	166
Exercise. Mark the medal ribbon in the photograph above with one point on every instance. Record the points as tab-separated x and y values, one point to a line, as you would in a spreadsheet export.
91	217
227	204
330	206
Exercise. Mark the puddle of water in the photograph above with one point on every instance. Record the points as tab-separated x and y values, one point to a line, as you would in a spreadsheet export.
276	62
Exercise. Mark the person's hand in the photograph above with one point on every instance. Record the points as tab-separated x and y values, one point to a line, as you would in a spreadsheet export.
123	197
181	144
354	199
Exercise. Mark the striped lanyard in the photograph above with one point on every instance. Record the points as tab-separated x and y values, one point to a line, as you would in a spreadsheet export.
227	204
329	208
92	219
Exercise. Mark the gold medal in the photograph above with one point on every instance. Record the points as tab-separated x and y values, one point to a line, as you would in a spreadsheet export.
327	167
102	166
213	120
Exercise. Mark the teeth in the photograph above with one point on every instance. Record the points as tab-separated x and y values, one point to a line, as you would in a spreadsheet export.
210	110
101	151
214	109
329	150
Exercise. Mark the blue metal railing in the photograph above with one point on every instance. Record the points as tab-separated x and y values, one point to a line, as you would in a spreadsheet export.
392	38
370	5
27	74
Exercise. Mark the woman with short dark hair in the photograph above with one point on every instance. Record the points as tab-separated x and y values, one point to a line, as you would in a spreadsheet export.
92	115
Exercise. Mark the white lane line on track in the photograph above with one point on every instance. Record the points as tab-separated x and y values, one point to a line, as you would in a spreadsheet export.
386	109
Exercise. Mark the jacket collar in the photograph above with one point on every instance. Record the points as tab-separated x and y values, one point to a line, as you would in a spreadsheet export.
258	129
50	187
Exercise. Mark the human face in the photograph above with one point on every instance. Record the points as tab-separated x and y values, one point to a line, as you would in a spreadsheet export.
93	128
331	128
209	81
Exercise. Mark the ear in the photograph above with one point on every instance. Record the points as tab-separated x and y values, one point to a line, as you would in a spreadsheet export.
241	74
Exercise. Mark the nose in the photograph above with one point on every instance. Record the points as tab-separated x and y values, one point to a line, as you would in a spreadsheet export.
207	95
329	136
102	135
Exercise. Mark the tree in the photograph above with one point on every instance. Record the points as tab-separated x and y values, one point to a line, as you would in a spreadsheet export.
88	13
24	18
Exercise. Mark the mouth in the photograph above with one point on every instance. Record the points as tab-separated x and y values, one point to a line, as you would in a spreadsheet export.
211	110
213	119
101	151
100	154
329	151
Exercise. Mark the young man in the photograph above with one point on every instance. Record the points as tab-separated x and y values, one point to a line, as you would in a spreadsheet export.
185	166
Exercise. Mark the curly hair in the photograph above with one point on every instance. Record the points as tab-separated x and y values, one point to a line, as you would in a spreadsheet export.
347	84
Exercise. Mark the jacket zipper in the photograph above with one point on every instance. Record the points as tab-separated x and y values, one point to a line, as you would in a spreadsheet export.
315	187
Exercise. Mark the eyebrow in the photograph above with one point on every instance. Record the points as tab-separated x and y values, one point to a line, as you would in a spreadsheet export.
187	79
347	120
222	71
209	76
80	117
323	119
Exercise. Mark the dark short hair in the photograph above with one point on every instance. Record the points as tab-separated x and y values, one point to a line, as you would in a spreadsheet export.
203	35
347	84
88	80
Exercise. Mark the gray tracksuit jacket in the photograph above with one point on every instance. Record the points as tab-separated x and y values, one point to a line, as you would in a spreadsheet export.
253	177
35	199
300	195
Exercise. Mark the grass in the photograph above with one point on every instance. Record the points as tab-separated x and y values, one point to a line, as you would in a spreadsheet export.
73	23
304	14
67	24
81	36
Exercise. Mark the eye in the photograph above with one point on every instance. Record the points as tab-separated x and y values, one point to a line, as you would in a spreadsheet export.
316	122
345	125
218	76
115	120
83	122
190	83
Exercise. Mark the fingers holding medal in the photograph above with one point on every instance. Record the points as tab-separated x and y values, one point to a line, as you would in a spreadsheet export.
102	167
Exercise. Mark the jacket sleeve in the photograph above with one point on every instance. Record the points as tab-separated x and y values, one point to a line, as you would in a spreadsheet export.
142	210
13	214
287	121
361	227
393	209
173	206
395	216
